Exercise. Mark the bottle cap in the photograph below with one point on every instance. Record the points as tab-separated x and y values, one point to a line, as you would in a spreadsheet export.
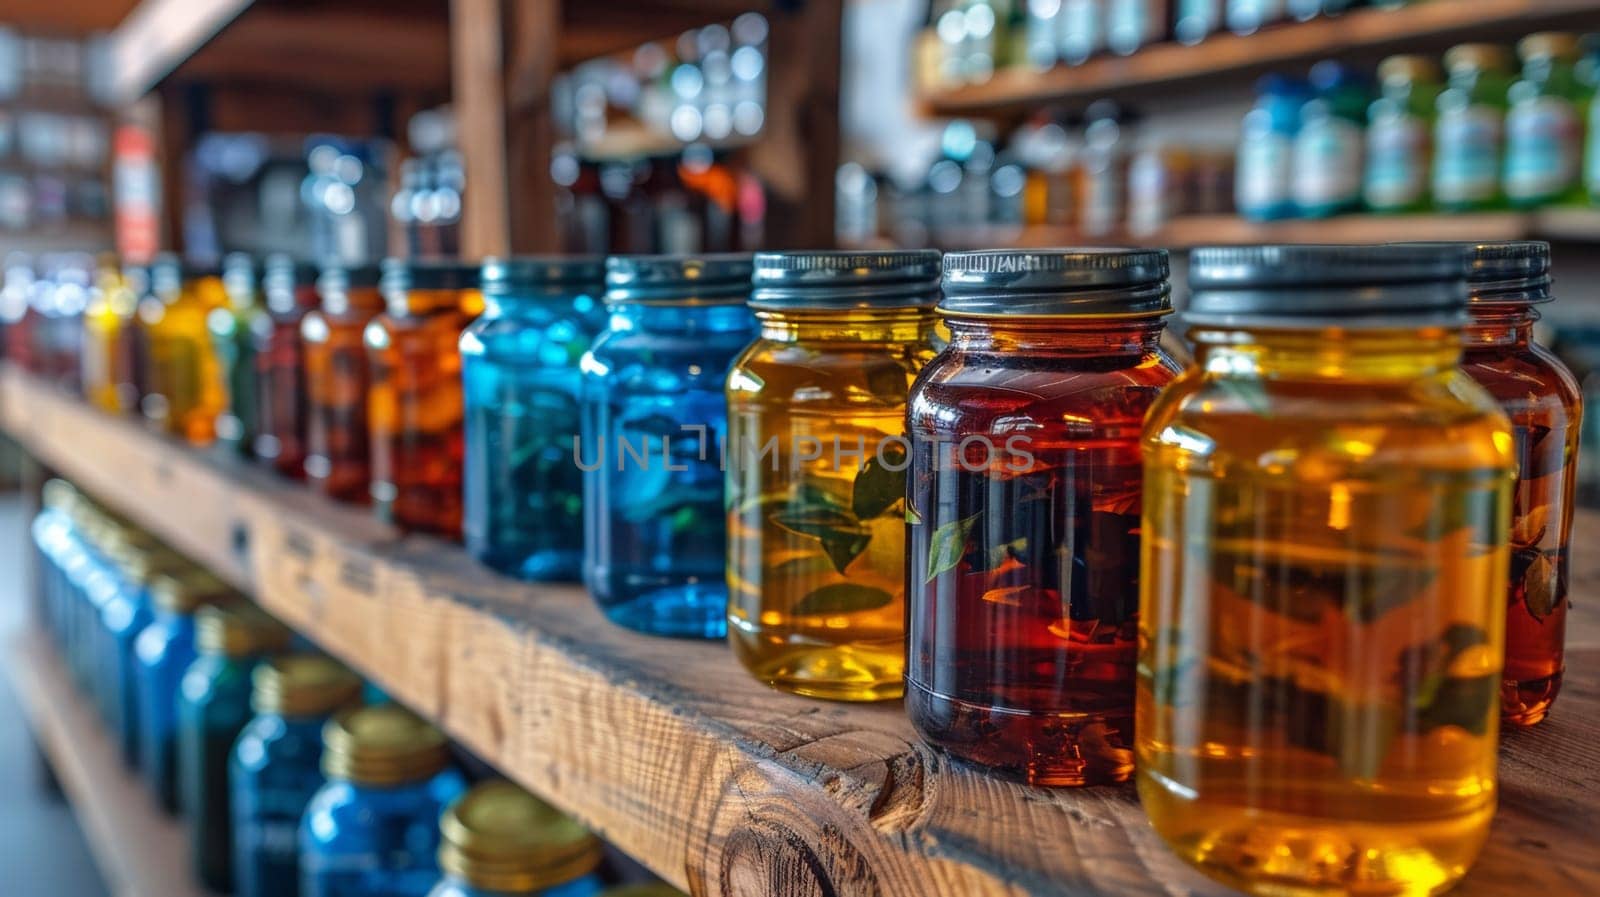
402	275
721	279
845	280
1408	67
287	283
59	495
383	745
649	889
186	592
1549	45
1300	287
1489	57
303	685
537	275
238	629
239	279
1086	282
1516	272
500	838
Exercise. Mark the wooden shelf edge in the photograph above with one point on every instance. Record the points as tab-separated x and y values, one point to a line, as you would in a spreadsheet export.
667	749
140	851
1226	53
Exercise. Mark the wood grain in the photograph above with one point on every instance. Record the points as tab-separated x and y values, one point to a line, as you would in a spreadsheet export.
671	752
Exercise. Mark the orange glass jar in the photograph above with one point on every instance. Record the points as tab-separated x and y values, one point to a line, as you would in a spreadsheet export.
183	379
414	408
338	459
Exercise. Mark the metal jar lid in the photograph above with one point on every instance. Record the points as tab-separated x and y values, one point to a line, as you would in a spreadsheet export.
845	280
1515	272
718	279
238	629
540	274
303	685
184	593
404	275
500	838
1309	287
383	745
1070	282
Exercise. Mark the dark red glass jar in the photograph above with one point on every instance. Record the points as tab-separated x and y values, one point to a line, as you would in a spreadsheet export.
1024	507
290	290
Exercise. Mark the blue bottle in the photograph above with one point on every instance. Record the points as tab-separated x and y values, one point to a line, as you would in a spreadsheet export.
51	531
1264	178
213	708
501	841
654	419
373	828
522	495
276	767
126	614
82	564
1330	149
162	653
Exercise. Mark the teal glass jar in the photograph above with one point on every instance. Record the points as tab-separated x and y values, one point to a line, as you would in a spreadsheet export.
232	337
162	653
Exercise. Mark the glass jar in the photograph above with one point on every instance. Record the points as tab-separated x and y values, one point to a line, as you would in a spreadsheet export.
231	328
52	533
184	388
653	415
501	841
1264	174
1024	510
816	459
163	652
1247	16
276	767
128	613
373	828
213	708
290	291
1324	552
414	407
1329	146
107	365
338	454
1545	405
1544	124
1470	128
1399	134
522	495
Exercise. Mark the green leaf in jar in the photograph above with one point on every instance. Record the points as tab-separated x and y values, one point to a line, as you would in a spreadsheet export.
877	487
1304	582
949	545
889	383
841	598
1252	394
912	517
819	522
1541	587
841	550
1441	699
1478	509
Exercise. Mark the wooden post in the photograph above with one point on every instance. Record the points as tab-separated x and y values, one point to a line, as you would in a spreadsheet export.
478	96
798	154
533	33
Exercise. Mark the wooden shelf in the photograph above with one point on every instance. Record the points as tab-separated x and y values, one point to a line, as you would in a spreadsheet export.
672	753
140	851
629	142
1423	27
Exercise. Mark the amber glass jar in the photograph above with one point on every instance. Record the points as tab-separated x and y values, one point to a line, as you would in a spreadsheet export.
1322	620
1543	401
1024	509
338	459
414	407
289	288
183	382
816	469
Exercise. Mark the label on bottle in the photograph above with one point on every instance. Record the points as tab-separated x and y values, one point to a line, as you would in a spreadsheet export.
1265	173
1591	153
1397	173
1542	152
1466	146
1327	163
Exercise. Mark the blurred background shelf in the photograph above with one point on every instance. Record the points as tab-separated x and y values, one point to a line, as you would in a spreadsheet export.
141	853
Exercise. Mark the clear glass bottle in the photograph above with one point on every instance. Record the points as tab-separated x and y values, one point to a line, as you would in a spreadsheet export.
414	406
184	388
276	767
816	459
500	841
213	707
1469	129
1324	565
289	288
1248	16
1400	135
1545	406
1024	510
523	495
373	828
338	452
232	328
1544	124
653	417
1330	146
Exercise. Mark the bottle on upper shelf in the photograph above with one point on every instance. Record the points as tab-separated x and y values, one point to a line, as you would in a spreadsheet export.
1329	148
1544	124
1469	128
1400	135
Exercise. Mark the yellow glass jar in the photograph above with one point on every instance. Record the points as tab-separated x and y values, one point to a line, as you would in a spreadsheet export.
183	382
1324	571
816	460
106	361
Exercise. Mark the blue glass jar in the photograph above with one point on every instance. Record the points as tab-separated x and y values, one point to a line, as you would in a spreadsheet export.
501	841
123	616
276	767
654	418
373	828
52	532
213	708
162	653
523	496
82	563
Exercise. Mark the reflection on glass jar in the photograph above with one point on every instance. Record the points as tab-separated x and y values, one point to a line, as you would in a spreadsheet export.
338	453
183	382
290	291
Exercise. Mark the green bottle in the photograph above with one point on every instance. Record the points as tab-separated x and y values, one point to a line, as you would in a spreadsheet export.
1400	134
1329	146
1469	128
1544	127
1589	77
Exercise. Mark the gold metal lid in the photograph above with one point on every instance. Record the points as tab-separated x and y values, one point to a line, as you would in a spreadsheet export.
1491	57
143	565
238	629
648	889
1549	45
303	685
382	745
59	495
501	838
185	592
1408	67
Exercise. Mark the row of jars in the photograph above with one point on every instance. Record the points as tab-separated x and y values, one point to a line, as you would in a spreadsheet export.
289	783
1306	561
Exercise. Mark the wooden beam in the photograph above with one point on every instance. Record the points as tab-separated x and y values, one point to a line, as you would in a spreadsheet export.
327	49
533	38
478	91
797	154
158	35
